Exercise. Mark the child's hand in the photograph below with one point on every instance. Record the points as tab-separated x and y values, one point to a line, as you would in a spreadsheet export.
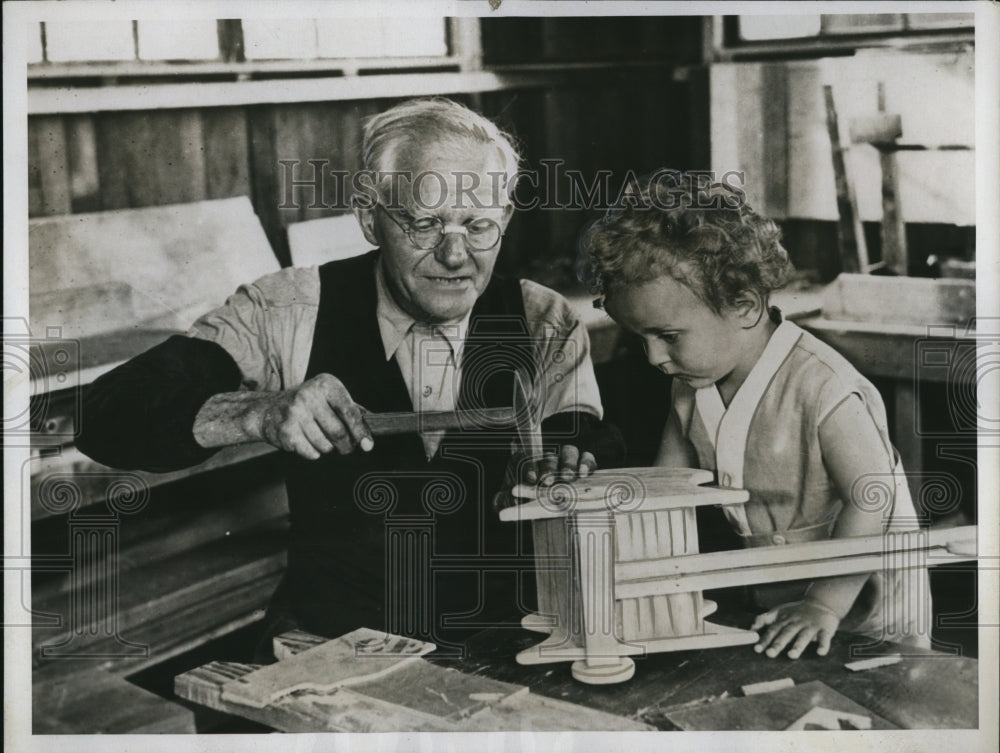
800	623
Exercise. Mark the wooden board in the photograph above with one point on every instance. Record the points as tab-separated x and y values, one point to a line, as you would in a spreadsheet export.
813	559
768	711
900	300
621	490
97	702
419	696
358	657
159	254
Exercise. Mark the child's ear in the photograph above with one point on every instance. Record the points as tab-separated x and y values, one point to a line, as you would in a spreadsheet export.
750	308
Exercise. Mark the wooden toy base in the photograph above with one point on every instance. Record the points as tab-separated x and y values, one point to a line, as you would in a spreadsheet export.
561	646
603	674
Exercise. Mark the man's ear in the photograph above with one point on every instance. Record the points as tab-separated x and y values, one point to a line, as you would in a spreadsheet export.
508	212
366	218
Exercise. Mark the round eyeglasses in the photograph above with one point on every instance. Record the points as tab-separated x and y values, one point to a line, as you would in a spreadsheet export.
426	233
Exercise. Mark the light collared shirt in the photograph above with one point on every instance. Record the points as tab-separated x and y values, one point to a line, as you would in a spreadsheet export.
267	327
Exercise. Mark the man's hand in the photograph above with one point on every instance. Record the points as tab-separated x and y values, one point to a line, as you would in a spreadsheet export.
799	623
568	465
313	419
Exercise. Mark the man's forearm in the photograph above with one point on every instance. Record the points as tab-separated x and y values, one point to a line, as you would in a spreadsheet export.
231	418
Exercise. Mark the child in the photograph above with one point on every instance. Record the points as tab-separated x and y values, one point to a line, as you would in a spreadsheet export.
689	268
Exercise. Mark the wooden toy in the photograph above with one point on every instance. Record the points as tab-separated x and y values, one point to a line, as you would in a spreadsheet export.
619	573
582	532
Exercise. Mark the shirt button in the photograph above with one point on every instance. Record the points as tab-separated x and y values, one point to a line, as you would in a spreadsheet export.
428	390
779	539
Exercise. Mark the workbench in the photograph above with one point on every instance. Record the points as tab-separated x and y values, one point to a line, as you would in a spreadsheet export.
925	689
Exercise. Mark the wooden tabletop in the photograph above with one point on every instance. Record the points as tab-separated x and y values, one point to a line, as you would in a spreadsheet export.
926	689
686	690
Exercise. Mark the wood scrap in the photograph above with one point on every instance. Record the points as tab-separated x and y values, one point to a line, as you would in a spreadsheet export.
823	718
358	657
768	687
420	696
770	711
875	661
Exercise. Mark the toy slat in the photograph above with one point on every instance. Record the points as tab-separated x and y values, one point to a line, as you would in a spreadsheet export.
595	557
625	490
774	573
797	553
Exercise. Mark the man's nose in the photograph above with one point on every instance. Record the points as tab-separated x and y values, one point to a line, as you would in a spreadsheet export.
453	251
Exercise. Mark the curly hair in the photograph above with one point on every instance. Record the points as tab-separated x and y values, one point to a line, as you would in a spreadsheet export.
704	235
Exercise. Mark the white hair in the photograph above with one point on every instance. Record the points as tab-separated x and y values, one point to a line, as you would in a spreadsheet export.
433	120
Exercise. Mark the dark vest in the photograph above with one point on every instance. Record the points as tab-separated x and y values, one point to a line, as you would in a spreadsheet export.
390	540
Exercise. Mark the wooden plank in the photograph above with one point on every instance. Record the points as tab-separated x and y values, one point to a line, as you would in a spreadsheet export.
84	177
622	490
753	562
774	133
529	712
741	570
440	692
164	603
422	696
294	642
264	178
918	301
91	478
169	241
96	702
48	169
794	553
341	711
54	100
150	158
850	233
227	167
358	657
769	711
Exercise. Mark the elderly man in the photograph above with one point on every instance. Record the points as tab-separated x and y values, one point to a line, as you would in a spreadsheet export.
297	358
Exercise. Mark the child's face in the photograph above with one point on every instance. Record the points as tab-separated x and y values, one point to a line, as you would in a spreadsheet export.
682	335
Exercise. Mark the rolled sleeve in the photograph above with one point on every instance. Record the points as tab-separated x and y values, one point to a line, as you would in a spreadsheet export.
267	327
565	380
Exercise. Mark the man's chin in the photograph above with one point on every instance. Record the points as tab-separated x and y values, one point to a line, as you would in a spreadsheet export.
437	313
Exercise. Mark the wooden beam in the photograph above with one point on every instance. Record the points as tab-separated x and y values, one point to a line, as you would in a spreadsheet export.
850	232
783	563
278	91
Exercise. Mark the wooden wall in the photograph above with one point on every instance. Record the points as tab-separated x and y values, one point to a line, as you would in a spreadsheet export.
633	117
